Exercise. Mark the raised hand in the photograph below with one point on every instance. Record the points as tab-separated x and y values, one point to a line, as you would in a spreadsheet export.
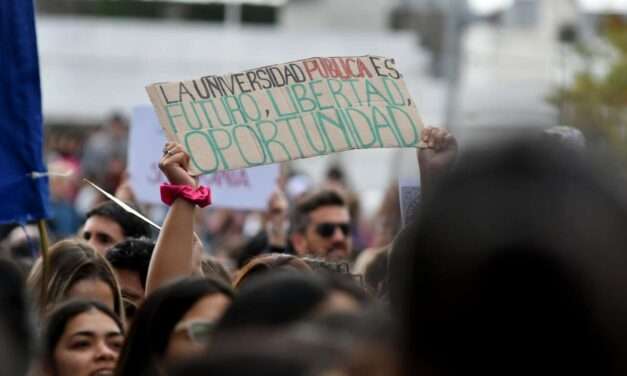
437	151
174	164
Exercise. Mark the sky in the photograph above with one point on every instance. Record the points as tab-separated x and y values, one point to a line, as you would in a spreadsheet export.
593	6
489	6
604	5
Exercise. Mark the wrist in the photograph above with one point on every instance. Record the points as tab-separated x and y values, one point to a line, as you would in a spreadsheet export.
200	195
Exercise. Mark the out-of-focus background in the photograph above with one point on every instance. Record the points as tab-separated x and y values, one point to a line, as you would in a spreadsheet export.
485	69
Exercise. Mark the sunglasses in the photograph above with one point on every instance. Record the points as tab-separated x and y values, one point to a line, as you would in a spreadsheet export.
199	331
327	229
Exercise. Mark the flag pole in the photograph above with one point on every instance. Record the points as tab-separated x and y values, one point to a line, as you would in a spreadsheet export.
45	267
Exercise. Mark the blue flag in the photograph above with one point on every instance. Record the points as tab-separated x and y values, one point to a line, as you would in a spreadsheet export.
23	192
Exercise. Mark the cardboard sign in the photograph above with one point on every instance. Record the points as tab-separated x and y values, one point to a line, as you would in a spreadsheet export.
288	111
238	189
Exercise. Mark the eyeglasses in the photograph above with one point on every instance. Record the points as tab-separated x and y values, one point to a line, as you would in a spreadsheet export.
327	229
198	331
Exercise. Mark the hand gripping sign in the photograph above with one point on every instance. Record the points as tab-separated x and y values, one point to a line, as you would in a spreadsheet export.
288	111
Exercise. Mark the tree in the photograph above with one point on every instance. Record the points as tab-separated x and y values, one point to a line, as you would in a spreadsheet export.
596	103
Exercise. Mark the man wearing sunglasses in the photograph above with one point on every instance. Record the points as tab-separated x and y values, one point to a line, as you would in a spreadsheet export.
320	226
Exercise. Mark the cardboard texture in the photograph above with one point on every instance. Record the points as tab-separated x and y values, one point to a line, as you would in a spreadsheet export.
288	111
241	189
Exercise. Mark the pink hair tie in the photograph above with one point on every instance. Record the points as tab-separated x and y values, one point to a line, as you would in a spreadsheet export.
200	196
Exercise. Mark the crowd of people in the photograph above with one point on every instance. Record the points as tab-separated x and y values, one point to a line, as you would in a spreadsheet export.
515	265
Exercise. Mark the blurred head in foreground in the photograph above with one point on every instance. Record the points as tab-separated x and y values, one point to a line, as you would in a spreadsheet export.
516	266
174	322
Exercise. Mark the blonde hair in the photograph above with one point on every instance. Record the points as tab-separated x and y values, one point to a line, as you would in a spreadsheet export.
71	261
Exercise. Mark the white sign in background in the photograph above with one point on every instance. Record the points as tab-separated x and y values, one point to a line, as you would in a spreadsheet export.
244	189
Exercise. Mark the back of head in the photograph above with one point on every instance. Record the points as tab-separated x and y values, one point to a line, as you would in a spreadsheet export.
132	254
132	226
515	265
274	300
263	353
155	320
268	262
16	336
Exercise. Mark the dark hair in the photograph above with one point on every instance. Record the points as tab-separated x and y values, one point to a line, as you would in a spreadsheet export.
348	284
132	254
264	353
71	261
273	300
299	215
155	320
376	272
16	327
132	227
516	263
57	321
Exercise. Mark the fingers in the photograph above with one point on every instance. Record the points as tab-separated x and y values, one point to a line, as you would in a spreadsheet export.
174	153
436	138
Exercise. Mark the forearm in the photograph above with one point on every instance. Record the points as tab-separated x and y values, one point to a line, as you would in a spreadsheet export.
173	254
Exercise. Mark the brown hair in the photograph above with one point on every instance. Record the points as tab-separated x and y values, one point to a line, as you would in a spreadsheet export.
266	262
71	261
299	216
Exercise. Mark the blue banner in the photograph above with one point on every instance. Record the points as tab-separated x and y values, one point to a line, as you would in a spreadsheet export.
23	191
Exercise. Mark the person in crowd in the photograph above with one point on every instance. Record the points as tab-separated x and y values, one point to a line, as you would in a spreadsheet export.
268	262
267	353
64	219
336	179
320	222
516	266
130	260
16	327
272	238
76	270
277	299
177	253
173	323
108	224
22	246
320	226
104	155
81	338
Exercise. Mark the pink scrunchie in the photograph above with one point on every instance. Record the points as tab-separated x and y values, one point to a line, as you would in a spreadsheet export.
200	196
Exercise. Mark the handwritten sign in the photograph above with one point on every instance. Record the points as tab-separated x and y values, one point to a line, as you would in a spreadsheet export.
288	111
237	189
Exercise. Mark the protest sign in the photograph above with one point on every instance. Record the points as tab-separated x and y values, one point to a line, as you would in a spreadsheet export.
409	199
237	189
288	111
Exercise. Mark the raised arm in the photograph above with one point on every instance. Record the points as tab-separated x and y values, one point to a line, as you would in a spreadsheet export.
173	256
436	156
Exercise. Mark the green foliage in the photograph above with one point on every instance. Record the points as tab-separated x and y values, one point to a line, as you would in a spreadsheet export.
597	103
